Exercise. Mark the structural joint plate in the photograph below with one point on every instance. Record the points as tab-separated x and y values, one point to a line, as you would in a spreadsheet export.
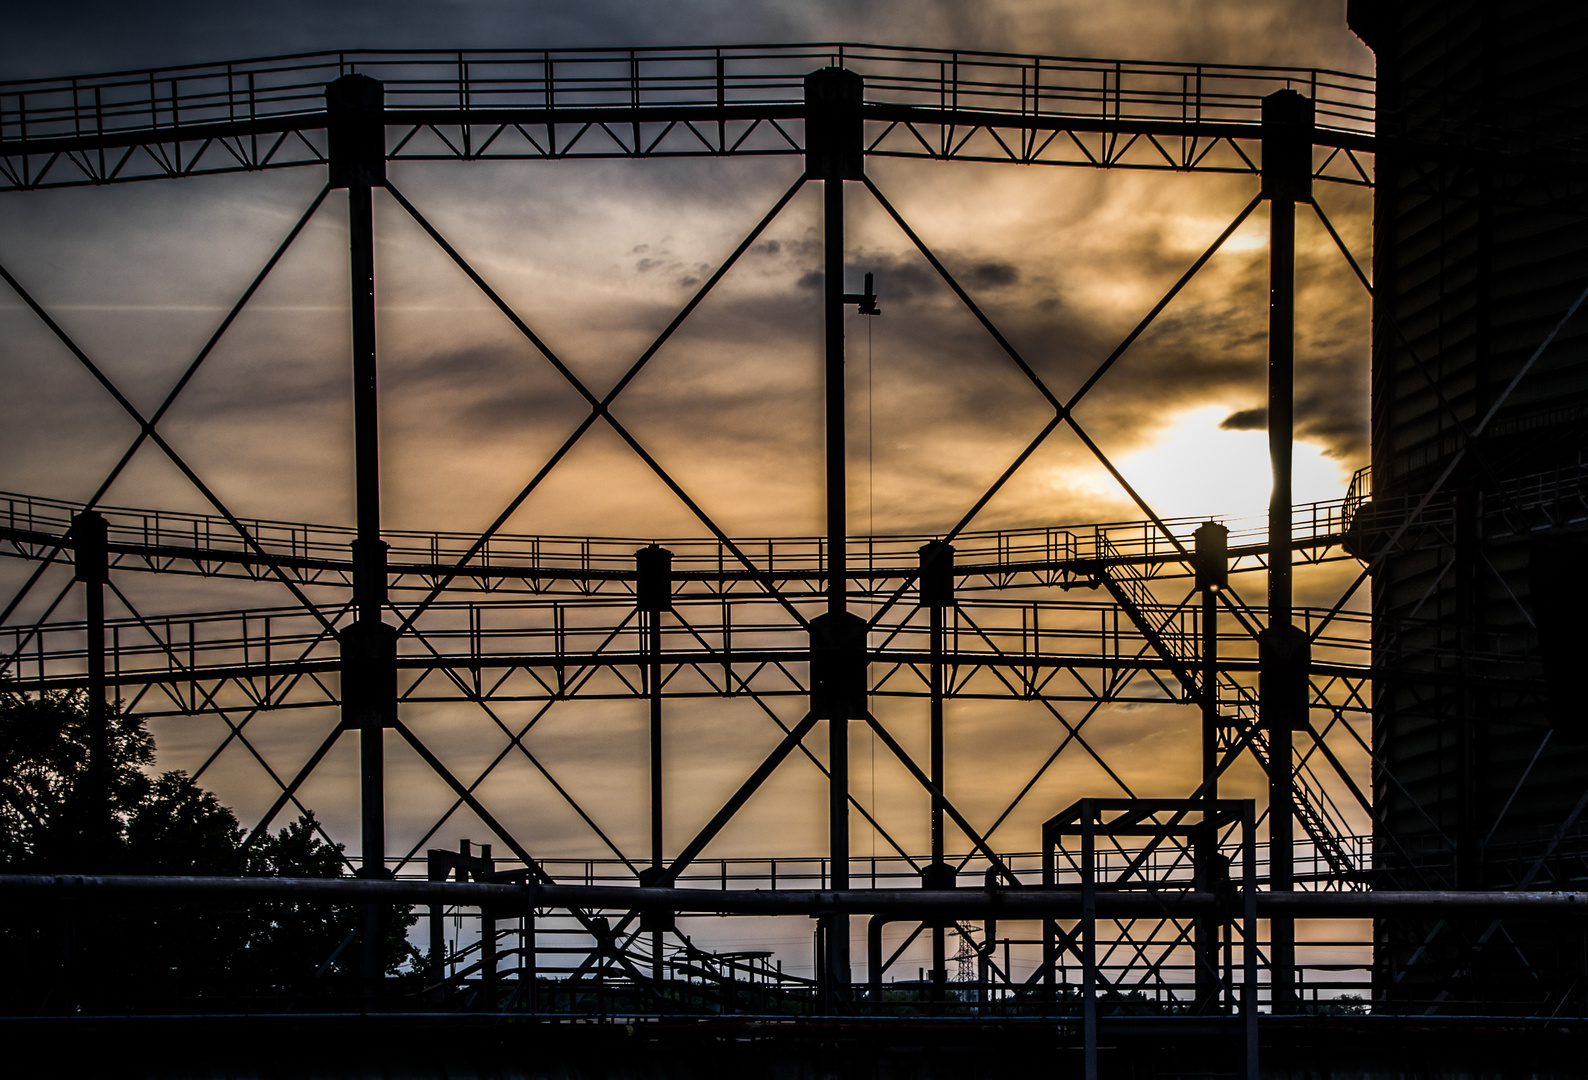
838	666
356	131
369	675
1285	655
834	130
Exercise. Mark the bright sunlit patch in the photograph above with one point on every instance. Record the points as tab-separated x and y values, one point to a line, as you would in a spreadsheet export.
1193	233
1194	468
1245	240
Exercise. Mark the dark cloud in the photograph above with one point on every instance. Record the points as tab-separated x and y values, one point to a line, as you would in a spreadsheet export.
903	276
900	276
80	36
993	275
1246	420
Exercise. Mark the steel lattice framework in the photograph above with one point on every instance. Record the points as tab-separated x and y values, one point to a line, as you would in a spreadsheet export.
380	620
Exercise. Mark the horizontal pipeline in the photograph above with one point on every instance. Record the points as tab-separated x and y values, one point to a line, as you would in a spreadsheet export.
1032	903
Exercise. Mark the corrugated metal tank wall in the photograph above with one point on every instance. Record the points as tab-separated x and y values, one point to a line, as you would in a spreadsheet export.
1481	246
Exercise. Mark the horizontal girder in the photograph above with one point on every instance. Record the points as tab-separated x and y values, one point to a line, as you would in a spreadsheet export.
1044	648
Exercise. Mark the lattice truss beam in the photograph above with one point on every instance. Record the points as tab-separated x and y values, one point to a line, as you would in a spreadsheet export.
642	103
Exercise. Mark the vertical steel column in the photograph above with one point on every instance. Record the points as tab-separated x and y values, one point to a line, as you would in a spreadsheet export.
935	649
834	153
357	140
1212	568
1089	935
937	595
1249	935
837	561
1287	179
653	650
1050	937
91	567
837	463
939	938
369	578
437	866
653	594
1213	577
989	943
483	869
653	647
531	961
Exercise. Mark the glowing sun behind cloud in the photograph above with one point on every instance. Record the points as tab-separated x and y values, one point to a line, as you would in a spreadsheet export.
1194	468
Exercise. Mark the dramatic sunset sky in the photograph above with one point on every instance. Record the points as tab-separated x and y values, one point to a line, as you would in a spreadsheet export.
596	256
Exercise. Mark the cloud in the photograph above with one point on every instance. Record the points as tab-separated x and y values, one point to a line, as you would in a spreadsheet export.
104	35
1246	420
993	275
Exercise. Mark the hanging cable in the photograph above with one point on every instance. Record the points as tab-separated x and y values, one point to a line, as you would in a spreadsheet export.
871	532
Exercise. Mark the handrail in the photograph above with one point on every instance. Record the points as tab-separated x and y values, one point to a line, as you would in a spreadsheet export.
249	92
613	556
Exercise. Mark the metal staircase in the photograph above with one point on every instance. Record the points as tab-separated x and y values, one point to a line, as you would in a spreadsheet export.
1173	638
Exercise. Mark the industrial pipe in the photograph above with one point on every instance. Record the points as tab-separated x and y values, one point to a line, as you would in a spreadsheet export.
925	904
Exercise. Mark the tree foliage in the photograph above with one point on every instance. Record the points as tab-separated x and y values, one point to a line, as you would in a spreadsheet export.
43	761
145	954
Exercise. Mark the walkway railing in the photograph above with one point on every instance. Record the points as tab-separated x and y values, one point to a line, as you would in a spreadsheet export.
158	536
260	93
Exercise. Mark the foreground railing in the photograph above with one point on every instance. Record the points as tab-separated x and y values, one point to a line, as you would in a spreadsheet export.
1336	968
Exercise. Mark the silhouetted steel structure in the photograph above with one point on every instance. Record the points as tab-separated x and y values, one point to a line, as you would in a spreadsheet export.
1480	425
385	620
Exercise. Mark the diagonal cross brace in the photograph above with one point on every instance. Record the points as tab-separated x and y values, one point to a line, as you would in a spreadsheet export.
601	407
1063	411
1450	468
796	734
535	869
148	431
937	793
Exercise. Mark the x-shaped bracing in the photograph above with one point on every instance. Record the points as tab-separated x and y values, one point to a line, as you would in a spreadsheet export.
600	409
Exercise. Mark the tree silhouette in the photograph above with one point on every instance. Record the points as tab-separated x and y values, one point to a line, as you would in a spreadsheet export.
148	954
44	742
